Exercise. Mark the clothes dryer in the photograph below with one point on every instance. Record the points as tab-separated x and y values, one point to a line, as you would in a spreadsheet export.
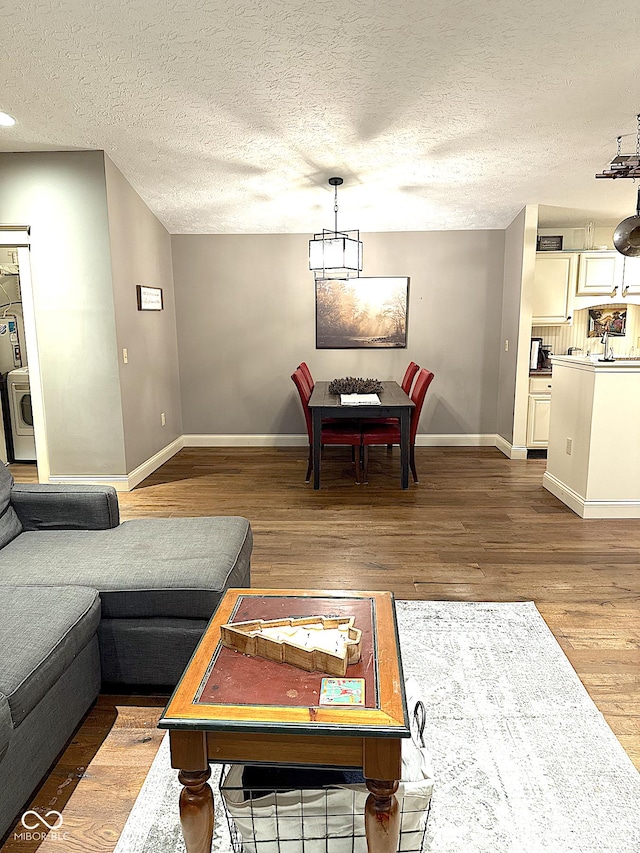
19	393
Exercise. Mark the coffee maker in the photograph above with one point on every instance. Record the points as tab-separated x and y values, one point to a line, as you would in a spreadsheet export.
540	355
544	358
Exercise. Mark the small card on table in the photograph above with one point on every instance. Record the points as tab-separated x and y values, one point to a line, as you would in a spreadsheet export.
342	691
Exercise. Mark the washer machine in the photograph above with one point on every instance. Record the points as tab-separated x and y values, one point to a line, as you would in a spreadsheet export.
19	393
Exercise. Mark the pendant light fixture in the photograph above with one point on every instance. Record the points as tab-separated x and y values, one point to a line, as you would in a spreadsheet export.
335	254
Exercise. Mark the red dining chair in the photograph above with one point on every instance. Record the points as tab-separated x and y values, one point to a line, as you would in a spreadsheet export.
308	380
308	386
390	433
409	375
407	380
304	367
331	433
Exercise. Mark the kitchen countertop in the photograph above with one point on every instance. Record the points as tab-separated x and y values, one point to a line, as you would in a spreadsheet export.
592	362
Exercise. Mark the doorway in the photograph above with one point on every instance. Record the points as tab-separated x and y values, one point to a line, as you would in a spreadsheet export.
18	442
22	423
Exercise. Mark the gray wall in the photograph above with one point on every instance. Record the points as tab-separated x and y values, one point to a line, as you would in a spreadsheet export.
514	239
149	383
245	314
61	195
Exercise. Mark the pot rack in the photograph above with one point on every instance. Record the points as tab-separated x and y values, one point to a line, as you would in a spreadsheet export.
624	165
626	237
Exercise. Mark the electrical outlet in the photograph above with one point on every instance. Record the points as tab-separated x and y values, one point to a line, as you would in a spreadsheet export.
125	356
506	346
163	420
569	446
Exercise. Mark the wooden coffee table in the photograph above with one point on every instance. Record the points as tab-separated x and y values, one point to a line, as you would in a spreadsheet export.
231	708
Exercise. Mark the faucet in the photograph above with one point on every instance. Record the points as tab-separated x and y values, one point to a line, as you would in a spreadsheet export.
604	340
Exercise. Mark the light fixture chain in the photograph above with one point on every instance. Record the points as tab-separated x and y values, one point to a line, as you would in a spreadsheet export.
638	136
335	209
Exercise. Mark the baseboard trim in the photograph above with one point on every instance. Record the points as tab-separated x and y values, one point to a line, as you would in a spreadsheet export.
589	509
272	440
511	451
142	471
456	440
118	481
124	482
239	440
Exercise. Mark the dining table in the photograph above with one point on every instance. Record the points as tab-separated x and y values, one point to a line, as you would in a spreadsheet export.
394	403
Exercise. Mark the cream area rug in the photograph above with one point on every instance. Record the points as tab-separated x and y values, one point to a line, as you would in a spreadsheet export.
523	760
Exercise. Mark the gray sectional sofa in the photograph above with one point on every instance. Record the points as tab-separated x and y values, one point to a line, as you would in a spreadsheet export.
85	601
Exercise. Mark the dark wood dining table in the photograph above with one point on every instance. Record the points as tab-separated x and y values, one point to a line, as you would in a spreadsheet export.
394	403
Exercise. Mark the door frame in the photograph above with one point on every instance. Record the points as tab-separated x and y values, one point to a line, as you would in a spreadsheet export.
18	237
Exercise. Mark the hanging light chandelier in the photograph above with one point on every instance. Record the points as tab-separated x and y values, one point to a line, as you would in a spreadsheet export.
335	254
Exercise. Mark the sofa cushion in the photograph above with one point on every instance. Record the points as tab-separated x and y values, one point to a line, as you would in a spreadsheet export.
42	630
10	525
147	651
6	725
160	567
42	506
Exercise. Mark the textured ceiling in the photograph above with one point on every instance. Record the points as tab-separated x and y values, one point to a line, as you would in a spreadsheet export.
230	117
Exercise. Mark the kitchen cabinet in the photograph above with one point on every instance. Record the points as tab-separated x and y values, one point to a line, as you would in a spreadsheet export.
538	421
567	281
630	277
600	274
554	284
538	412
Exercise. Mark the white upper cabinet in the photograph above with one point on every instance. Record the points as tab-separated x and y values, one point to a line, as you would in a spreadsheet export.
554	281
567	281
631	277
600	274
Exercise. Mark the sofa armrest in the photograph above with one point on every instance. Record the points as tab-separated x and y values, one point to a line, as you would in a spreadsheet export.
46	507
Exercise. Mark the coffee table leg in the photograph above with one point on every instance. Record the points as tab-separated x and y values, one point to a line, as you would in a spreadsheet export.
382	817
196	810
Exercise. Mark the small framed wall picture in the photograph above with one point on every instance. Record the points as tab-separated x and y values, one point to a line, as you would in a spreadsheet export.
549	244
149	298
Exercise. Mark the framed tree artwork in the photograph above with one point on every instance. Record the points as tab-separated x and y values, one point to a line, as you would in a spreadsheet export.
362	312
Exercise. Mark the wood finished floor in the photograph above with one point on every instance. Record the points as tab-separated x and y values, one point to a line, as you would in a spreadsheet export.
478	527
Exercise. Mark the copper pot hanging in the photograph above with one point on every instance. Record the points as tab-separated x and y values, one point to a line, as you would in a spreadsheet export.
626	237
